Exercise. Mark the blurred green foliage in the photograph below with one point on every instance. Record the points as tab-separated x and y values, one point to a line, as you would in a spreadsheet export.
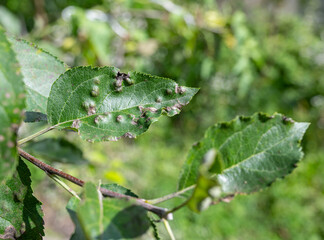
267	56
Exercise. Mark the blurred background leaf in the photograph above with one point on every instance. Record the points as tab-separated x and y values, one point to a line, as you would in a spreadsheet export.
57	150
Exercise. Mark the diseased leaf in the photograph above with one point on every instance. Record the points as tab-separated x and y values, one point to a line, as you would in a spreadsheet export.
40	69
57	150
252	152
96	217
104	104
12	99
20	211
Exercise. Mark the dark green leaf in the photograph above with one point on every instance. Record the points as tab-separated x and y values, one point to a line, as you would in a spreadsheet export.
40	69
20	211
96	217
104	104
119	189
57	150
12	99
252	152
35	117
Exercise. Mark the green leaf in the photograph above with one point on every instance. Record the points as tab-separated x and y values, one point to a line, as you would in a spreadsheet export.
40	69
104	104
20	211
96	217
35	117
57	150
252	152
9	21
207	187
119	189
12	99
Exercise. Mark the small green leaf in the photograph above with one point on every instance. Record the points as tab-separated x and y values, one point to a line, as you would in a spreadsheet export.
207	187
252	152
12	99
105	105
119	189
20	211
96	217
40	69
57	150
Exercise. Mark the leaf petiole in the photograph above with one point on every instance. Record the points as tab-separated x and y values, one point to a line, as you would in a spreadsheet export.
41	132
168	228
170	196
65	186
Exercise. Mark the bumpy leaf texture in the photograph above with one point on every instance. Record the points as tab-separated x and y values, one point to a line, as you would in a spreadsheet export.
251	153
40	69
96	217
103	104
20	211
12	98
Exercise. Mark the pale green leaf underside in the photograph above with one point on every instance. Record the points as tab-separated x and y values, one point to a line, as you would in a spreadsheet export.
40	69
20	211
12	99
104	105
57	150
97	218
252	152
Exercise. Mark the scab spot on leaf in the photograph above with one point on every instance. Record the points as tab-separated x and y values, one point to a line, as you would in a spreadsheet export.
98	119
129	135
129	81
169	91
179	89
97	80
287	120
114	139
119	118
119	89
158	99
76	124
95	91
9	233
119	82
91	110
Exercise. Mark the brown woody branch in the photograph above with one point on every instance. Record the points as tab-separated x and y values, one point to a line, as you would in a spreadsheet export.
161	212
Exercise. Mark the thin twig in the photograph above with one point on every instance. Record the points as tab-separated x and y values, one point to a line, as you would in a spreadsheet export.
24	140
168	228
179	206
170	196
66	187
161	212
